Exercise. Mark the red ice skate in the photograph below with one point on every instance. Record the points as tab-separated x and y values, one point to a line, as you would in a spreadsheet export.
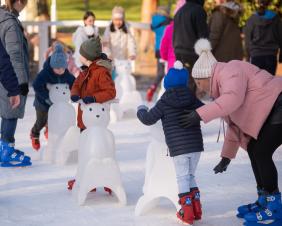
186	213
35	142
71	183
196	202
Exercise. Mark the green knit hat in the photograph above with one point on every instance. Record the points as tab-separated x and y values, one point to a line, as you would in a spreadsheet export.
91	49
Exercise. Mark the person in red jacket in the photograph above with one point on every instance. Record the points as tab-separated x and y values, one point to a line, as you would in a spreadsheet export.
94	83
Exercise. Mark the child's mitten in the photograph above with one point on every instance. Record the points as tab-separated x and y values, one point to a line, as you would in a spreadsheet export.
88	100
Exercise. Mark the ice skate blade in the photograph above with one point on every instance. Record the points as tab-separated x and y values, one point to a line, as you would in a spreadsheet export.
11	165
264	223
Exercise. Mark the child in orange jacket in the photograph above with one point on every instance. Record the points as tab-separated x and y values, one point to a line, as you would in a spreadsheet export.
94	83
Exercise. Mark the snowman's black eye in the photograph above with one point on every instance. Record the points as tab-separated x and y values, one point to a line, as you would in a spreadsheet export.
103	109
90	109
57	87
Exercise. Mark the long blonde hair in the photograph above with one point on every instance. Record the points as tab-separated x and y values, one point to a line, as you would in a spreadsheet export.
9	4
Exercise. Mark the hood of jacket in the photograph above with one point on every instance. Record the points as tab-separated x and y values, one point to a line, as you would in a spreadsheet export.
105	63
266	19
180	97
6	15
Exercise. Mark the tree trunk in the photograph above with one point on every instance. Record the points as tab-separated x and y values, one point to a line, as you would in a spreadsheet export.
148	8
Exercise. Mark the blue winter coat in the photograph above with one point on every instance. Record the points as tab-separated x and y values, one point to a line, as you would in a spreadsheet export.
171	105
47	76
8	77
158	25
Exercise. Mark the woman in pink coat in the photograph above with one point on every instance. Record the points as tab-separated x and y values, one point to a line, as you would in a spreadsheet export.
250	101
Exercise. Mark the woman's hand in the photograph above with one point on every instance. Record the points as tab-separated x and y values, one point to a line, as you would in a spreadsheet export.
222	165
15	101
189	118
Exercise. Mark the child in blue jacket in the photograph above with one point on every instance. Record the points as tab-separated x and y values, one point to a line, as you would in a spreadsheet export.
54	71
185	144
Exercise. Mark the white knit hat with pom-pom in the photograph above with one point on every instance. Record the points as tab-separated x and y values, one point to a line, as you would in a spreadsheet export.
204	65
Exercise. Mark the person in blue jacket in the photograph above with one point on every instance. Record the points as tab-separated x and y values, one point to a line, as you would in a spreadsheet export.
54	71
159	22
185	144
10	82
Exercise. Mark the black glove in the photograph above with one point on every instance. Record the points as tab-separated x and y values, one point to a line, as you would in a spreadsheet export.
222	165
88	100
75	98
24	89
189	118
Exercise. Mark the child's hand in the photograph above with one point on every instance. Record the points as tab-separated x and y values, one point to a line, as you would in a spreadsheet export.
89	100
222	165
75	98
142	107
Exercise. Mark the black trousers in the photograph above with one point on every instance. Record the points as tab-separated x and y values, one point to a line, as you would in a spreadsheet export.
160	69
40	123
268	63
261	150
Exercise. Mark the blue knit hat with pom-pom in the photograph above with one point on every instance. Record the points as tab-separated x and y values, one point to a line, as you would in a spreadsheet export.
177	76
58	58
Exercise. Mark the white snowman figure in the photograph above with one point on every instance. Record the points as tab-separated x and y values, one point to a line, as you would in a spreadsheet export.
61	116
97	165
160	176
129	97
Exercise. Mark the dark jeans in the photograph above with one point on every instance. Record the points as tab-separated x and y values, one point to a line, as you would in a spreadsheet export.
8	130
268	63
40	123
261	151
188	62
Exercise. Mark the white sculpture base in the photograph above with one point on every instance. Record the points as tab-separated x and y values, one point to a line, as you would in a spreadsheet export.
97	165
160	177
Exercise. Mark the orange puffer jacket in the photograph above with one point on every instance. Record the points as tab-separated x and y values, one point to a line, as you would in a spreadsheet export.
96	81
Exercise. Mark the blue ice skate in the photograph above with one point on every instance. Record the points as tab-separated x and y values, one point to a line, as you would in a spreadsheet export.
272	211
253	207
11	157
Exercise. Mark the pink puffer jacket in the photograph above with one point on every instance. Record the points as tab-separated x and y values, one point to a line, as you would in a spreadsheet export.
166	49
244	97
